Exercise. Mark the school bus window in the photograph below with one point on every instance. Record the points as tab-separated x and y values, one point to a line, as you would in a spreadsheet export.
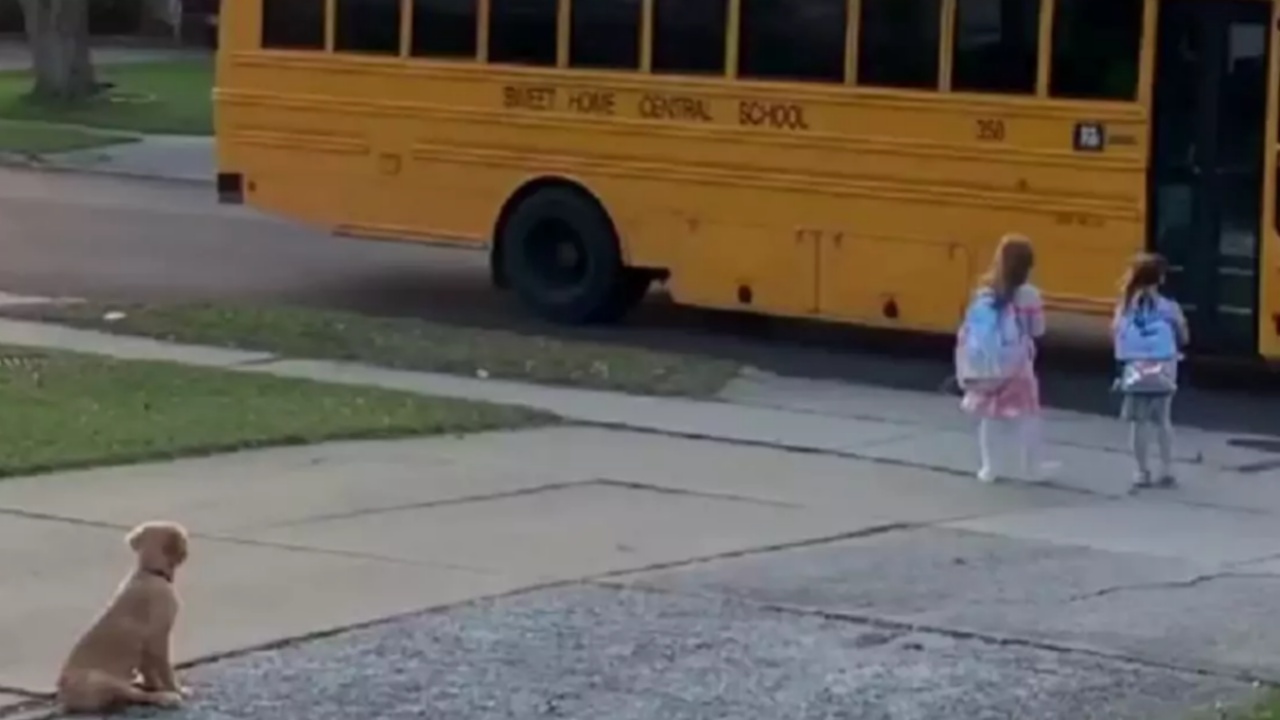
689	36
444	28
367	26
605	34
522	32
1096	49
899	43
781	39
996	46
293	24
1239	102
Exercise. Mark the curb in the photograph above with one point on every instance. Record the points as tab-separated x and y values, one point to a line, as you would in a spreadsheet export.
36	164
10	300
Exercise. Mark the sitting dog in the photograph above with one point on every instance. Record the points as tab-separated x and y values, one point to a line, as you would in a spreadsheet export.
123	659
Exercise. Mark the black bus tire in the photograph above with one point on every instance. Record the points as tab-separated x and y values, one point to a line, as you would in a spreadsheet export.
551	217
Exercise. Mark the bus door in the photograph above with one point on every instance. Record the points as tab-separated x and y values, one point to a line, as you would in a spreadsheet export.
1206	180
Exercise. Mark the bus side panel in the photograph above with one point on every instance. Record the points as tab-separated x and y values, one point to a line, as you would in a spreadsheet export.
871	198
816	254
870	260
315	169
911	282
360	174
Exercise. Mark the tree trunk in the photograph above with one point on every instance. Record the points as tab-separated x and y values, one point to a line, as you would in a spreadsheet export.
58	33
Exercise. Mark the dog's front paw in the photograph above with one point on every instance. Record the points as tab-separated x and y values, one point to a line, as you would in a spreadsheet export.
168	699
184	691
140	682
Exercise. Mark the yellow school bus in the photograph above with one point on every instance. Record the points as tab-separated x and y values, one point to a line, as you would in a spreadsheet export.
845	160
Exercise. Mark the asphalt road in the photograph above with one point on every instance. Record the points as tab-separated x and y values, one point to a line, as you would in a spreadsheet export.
111	238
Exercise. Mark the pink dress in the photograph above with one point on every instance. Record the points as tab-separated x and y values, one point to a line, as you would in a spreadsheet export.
1020	397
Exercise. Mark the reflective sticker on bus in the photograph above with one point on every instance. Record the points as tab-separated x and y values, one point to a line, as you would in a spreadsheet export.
1090	136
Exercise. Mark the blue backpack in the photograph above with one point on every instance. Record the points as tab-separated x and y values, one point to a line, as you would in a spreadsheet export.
990	347
1145	332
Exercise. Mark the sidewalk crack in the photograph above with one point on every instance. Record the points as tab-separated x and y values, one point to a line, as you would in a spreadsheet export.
1186	583
249	542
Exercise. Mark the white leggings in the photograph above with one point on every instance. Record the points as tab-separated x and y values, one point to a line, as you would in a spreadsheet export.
992	436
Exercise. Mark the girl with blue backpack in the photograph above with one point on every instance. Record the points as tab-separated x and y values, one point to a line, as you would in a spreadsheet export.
1149	329
995	358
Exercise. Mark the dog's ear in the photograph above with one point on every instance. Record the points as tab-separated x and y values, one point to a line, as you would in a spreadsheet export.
136	537
159	542
175	545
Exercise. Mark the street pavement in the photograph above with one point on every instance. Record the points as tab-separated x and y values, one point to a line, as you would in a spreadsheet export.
678	564
110	238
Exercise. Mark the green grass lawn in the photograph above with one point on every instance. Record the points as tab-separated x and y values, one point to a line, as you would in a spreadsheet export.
65	410
406	344
39	139
170	97
1265	708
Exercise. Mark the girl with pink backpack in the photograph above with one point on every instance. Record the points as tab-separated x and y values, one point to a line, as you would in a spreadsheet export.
995	360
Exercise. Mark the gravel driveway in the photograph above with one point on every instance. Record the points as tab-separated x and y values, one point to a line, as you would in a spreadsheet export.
594	653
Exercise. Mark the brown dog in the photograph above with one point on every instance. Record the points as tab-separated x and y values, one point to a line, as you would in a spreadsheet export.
124	657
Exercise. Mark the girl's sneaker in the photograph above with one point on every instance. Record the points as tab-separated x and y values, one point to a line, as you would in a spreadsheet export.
986	475
1141	481
1166	482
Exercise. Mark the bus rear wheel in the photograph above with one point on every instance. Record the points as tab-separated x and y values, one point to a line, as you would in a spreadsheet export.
561	256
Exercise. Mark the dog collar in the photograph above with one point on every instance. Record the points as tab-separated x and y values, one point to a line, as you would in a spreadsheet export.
162	574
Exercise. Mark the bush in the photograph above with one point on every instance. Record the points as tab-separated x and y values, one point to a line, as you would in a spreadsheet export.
106	17
115	17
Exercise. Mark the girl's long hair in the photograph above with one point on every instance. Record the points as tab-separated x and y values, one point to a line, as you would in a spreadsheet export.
1146	272
1010	268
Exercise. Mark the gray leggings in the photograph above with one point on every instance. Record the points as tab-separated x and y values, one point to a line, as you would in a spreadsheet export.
1150	415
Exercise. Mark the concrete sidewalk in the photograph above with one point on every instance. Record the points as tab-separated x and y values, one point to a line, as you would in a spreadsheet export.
861	422
370	530
884	522
174	158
